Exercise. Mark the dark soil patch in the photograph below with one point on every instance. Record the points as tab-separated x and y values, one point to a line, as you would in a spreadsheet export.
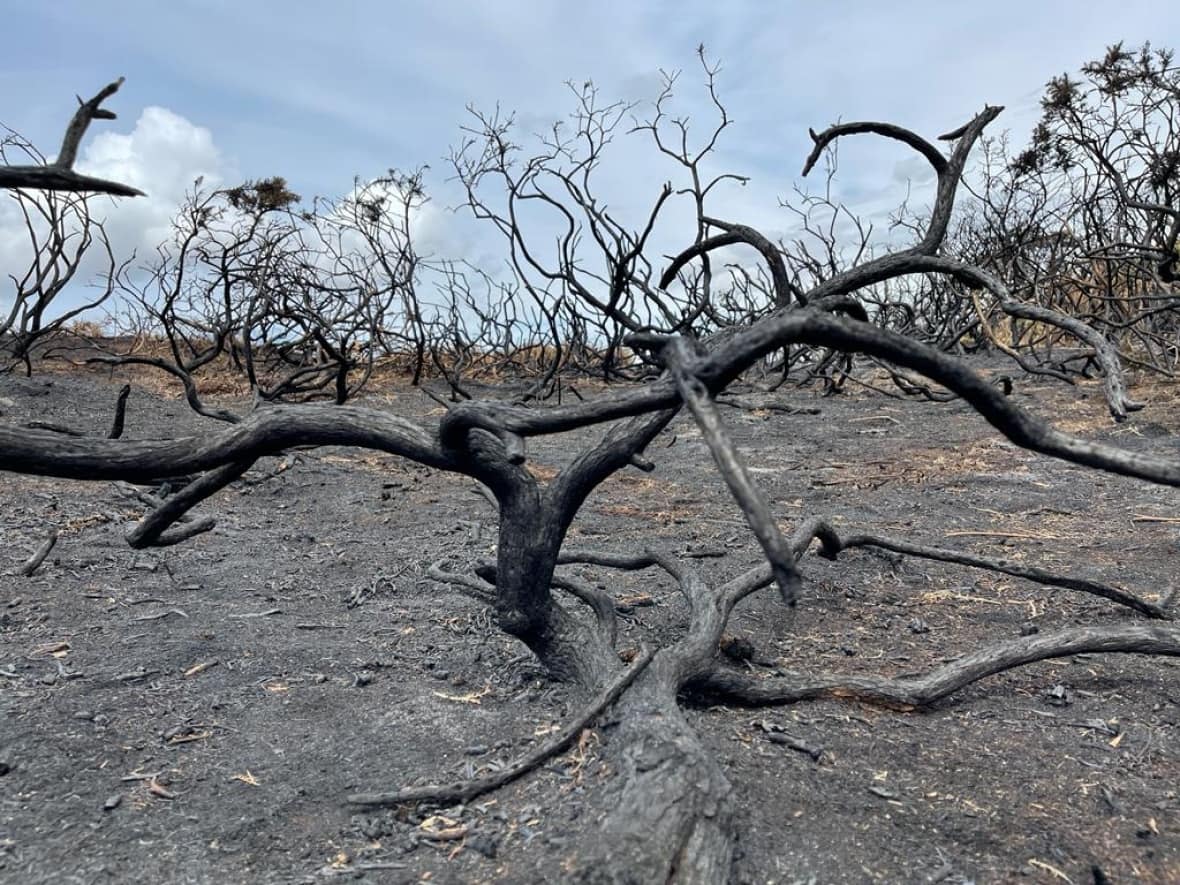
198	713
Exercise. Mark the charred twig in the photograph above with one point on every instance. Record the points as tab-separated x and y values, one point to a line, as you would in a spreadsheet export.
34	562
816	528
152	530
120	418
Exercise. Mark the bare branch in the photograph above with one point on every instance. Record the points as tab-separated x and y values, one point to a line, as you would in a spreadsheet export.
60	175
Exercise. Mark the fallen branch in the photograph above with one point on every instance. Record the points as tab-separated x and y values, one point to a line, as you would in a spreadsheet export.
152	530
1039	576
817	528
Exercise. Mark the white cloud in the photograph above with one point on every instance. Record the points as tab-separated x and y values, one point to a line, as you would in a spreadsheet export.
353	106
162	155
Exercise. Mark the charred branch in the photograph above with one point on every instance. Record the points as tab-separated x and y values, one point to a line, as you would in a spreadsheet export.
60	175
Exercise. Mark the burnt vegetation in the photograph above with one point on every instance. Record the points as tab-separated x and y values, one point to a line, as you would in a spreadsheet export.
1061	258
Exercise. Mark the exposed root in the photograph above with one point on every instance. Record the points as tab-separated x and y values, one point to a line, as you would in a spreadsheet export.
465	791
909	694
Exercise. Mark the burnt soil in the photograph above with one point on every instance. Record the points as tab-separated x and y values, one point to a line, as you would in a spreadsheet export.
198	713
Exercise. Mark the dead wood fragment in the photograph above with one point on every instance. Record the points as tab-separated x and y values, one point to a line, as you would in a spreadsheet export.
135	675
141	776
200	668
119	420
352	870
156	616
1039	576
776	735
34	562
158	789
794	743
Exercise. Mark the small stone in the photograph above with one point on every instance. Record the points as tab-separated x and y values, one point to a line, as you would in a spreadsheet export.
1029	630
112	803
318	678
363	678
84	715
476	750
1058	696
917	625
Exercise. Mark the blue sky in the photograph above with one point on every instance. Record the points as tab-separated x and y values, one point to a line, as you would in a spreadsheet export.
321	92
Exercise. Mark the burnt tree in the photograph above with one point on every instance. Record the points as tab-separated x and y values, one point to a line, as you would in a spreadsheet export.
670	810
